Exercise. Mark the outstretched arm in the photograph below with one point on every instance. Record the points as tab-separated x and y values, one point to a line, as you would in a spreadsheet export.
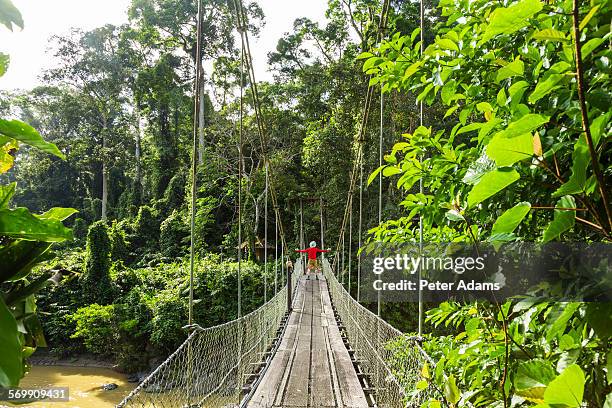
301	250
322	250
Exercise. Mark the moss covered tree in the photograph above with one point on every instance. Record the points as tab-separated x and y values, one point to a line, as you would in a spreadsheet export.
96	281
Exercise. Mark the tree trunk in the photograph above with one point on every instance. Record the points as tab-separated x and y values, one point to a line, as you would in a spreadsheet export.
104	172
139	131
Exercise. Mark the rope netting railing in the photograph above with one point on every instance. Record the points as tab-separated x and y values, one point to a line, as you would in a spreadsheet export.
213	364
371	339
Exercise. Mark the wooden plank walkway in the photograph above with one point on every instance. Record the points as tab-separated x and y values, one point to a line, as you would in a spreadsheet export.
311	367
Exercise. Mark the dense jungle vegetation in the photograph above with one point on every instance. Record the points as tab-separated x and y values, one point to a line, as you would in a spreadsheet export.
515	146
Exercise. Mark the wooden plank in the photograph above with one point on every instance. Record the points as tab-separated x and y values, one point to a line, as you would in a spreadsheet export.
322	392
273	383
297	389
350	391
312	367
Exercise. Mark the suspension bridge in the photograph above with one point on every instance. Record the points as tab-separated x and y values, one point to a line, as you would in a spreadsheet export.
318	348
312	344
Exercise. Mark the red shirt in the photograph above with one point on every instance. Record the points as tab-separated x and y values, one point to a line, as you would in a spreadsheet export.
312	252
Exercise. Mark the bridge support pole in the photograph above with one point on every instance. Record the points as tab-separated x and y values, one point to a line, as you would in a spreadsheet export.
289	289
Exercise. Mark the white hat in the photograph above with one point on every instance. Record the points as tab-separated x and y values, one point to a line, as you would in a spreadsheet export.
313	244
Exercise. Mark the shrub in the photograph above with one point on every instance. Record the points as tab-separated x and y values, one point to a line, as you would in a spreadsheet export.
169	316
94	324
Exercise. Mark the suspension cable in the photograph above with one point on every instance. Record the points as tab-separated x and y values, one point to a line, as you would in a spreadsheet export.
194	168
240	171
421	190
380	161
266	238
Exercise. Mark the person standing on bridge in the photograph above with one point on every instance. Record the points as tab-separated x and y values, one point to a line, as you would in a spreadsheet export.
312	256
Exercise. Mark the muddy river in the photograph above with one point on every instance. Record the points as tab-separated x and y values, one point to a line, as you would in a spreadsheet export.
84	386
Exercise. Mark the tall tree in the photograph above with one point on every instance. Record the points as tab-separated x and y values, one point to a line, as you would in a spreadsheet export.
93	63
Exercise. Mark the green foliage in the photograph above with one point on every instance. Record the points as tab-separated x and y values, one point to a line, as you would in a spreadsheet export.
146	229
79	230
95	281
94	324
174	196
11	366
118	244
522	49
549	343
169	313
509	160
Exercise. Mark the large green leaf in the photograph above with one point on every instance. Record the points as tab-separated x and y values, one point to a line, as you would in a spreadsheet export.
490	184
599	317
507	151
514	68
550	34
58	213
608	401
526	124
544	87
559	317
515	92
11	367
6	193
511	219
567	389
27	134
9	15
598	126
531	379
506	20
451	392
562	220
20	224
580	161
591	45
19	257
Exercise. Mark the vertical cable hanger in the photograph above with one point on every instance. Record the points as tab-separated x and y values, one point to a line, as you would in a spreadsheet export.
266	237
421	22
322	237
194	168
342	260
350	243
194	173
275	255
380	162
240	142
360	224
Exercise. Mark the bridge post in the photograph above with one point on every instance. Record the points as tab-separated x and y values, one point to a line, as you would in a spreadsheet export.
289	288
